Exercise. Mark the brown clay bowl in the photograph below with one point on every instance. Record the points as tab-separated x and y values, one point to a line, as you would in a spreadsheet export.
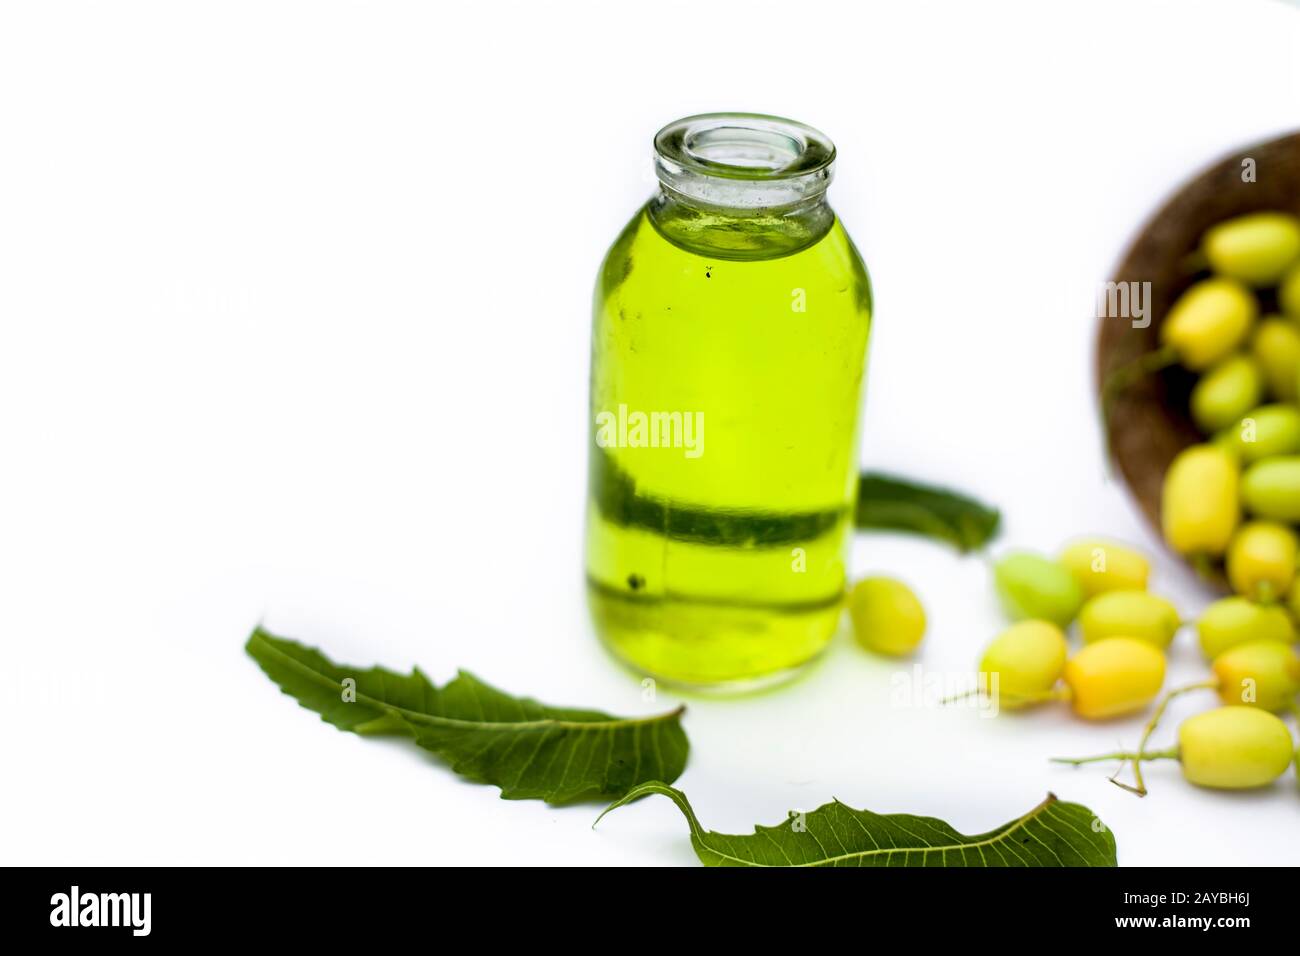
1149	422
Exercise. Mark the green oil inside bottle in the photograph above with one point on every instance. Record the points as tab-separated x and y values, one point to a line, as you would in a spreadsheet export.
716	554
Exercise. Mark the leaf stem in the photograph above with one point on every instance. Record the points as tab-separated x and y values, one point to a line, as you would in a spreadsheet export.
1126	376
1170	754
1149	729
1016	700
1203	565
1194	262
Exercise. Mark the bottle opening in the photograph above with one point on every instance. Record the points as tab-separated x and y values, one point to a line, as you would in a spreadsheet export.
741	148
743	160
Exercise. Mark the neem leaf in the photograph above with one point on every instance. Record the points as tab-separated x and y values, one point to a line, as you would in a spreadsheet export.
528	749
1051	834
895	504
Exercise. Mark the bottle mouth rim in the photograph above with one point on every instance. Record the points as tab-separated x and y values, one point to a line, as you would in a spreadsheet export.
744	146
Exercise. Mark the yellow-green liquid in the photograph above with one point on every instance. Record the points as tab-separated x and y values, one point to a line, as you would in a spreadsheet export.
730	565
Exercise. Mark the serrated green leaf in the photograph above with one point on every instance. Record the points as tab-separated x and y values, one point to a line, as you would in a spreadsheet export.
1051	834
894	504
528	749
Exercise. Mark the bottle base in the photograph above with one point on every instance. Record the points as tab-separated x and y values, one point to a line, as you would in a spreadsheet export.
712	647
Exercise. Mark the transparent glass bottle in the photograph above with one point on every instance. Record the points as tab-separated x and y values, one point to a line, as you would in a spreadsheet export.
728	348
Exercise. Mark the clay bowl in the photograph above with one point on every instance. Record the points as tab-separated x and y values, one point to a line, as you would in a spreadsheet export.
1149	423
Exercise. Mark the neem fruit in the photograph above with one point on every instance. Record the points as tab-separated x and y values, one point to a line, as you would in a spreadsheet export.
1288	295
1271	488
1228	748
1234	748
1136	614
1231	621
1228	391
1275	347
887	616
1256	248
1262	560
1100	565
1264	674
1114	676
1200	509
1263	432
1026	660
1208	322
1033	587
1259	674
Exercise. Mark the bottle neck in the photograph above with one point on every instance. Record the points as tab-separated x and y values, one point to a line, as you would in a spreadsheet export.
740	234
741	185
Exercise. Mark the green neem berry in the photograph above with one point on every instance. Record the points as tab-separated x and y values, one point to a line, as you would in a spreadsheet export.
1264	432
1227	392
1033	587
1271	488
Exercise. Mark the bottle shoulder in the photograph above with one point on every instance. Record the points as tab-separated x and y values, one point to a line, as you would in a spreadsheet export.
855	265
761	237
643	262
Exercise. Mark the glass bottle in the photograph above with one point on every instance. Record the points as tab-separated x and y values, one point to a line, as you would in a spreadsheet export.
728	348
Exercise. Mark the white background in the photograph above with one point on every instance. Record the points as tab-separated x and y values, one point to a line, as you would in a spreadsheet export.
294	305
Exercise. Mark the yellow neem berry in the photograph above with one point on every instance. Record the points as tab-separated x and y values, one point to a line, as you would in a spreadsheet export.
1234	748
1259	674
1115	676
1200	509
1256	248
1262	560
1105	566
887	616
1208	322
1231	621
1135	614
1024	662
